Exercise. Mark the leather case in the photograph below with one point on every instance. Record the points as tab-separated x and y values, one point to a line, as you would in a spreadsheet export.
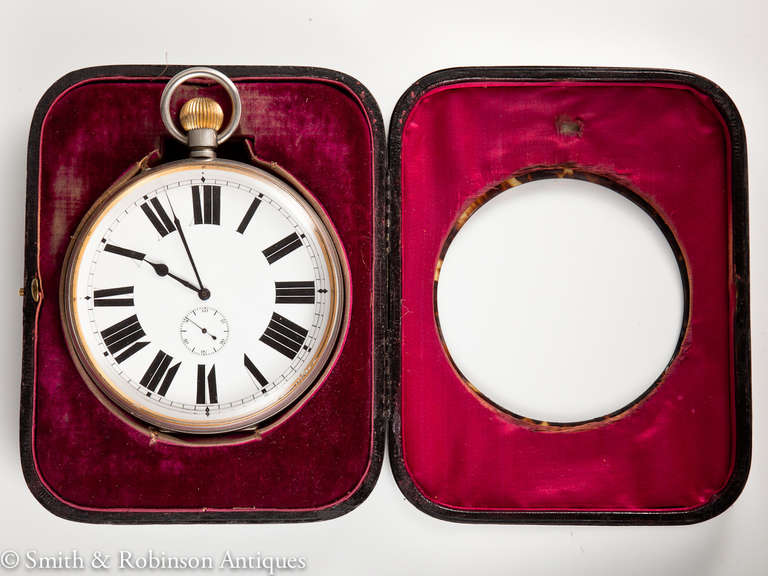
671	141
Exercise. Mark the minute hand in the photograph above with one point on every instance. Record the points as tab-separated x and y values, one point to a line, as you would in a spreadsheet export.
189	253
204	293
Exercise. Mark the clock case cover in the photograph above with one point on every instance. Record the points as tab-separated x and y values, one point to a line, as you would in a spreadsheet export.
672	142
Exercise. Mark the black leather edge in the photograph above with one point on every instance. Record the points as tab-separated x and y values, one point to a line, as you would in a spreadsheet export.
741	329
143	73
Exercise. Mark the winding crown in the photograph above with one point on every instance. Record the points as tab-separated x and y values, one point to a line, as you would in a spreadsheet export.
200	113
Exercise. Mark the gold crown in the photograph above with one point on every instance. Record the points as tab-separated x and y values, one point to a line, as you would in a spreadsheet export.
201	113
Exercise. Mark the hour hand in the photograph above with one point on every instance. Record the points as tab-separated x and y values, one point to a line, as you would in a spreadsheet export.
160	269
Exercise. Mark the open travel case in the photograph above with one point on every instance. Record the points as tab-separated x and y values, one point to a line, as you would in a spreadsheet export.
673	141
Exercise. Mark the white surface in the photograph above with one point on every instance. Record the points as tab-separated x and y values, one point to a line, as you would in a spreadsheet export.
387	46
560	300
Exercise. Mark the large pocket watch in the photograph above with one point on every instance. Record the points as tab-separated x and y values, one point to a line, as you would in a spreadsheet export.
205	295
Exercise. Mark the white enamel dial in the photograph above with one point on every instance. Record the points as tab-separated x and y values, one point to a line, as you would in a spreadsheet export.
205	296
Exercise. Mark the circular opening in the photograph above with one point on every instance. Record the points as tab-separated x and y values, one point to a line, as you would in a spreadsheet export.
560	300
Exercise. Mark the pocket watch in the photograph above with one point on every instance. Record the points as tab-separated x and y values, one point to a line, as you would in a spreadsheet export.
205	295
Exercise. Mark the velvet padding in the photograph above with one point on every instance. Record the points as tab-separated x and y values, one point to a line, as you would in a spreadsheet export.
669	144
89	459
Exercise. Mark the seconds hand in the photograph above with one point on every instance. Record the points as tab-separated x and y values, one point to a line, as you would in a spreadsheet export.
204	293
203	330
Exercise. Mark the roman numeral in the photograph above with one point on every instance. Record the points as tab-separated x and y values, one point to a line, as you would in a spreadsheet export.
255	372
208	209
284	336
213	396
105	297
248	215
122	336
295	292
282	248
158	216
120	251
159	370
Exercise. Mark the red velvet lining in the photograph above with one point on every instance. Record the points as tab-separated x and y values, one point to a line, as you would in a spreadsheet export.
675	449
87	457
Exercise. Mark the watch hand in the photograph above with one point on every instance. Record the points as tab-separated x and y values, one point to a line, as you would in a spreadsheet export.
162	270
203	330
203	291
184	283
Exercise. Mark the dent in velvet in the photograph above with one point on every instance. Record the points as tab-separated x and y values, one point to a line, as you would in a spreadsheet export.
86	455
669	143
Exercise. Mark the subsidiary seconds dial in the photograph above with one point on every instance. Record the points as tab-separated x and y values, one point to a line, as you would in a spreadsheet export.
199	330
205	296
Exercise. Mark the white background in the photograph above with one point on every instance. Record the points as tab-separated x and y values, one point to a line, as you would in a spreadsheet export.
387	46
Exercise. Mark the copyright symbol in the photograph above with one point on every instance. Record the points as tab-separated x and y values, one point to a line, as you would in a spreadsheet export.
9	559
